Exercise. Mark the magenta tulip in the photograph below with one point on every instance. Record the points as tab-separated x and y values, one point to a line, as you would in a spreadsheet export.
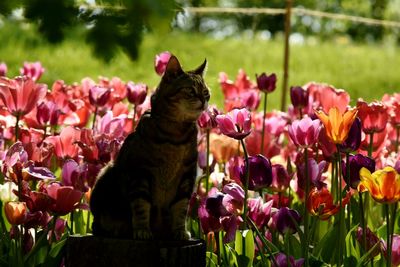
136	93
235	124
161	61
304	132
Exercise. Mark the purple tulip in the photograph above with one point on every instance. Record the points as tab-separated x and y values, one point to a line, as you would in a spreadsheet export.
74	175
281	261
265	83
285	220
136	93
315	171
234	198
3	69
280	178
371	240
214	205
161	61
304	132
356	162
99	96
298	96
353	140
235	124
48	113
397	166
260	172
208	222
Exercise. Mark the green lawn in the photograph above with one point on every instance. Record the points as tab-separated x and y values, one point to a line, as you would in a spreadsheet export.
366	71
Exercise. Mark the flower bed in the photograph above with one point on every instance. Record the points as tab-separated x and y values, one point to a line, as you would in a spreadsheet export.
316	184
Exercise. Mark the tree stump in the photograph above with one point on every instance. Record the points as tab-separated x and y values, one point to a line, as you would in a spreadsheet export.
98	251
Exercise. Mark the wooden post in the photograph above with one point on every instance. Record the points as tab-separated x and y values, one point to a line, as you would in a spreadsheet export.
286	54
101	252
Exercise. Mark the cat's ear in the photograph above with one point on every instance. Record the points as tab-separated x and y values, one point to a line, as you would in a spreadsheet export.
201	70
173	68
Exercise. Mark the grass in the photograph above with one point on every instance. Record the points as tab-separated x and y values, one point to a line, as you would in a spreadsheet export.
366	71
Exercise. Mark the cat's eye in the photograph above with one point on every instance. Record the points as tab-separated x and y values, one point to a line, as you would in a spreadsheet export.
190	91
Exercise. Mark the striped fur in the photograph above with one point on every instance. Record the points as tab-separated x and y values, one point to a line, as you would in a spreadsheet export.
144	194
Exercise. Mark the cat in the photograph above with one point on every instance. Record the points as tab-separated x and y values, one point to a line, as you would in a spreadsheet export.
144	194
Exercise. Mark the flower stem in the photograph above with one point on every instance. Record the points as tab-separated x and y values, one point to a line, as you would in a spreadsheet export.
306	217
246	186
341	215
17	127
362	222
94	118
207	159
397	139
72	223
389	236
263	124
371	142
348	223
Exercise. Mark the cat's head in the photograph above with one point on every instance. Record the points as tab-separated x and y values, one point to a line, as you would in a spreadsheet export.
181	96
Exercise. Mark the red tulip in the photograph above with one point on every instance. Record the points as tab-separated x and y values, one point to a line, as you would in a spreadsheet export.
136	93
374	116
65	143
320	203
66	198
20	95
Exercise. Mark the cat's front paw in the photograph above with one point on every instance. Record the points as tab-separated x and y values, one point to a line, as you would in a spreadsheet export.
142	234
181	235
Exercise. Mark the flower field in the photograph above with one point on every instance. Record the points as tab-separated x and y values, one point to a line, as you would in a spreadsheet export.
315	185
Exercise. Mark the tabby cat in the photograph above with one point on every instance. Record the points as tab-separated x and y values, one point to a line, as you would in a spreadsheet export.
144	193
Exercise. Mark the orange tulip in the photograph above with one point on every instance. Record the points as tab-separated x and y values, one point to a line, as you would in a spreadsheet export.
320	203
383	185
223	148
15	212
337	125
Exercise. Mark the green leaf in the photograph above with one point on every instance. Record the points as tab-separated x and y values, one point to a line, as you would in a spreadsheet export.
351	250
79	222
366	256
244	246
295	247
325	248
211	259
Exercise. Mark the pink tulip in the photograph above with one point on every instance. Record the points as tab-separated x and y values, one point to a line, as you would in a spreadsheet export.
136	93
33	70
235	124
327	97
20	95
99	96
374	116
161	61
304	132
3	69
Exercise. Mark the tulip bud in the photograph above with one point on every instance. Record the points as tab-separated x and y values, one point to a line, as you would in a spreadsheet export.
266	83
15	212
99	96
353	140
356	162
136	93
3	69
260	172
161	61
298	96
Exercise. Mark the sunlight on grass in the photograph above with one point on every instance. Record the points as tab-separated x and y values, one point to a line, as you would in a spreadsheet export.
365	71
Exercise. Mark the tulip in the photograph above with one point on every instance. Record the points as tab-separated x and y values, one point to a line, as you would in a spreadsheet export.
48	113
281	261
235	124
260	175
265	83
222	147
161	61
383	185
397	166
214	205
374	116
259	212
136	93
315	171
66	198
298	96
21	94
353	140
207	118
285	220
371	240
395	250
337	125
356	162
65	144
233	200
99	96
304	133
280	178
320	203
3	69
16	212
33	70
6	192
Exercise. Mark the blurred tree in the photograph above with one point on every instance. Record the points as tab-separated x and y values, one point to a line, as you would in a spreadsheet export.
110	24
